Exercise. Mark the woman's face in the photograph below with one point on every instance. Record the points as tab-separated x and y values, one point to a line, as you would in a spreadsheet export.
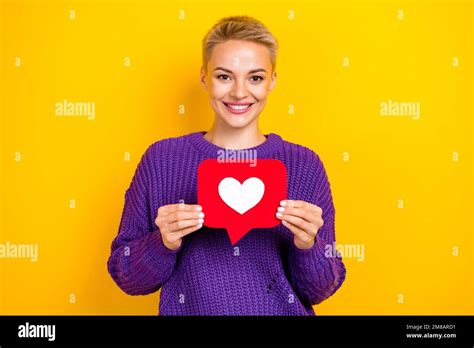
239	77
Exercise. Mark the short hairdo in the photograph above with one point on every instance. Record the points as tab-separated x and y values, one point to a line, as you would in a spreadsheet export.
243	28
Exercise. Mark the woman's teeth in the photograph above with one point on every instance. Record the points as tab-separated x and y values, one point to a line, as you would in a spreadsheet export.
238	107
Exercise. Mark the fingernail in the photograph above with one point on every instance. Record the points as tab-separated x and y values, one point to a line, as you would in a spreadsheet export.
283	222
198	208
201	215
281	209
201	221
283	203
279	215
199	226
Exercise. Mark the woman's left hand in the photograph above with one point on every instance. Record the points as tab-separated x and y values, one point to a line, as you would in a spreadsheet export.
303	219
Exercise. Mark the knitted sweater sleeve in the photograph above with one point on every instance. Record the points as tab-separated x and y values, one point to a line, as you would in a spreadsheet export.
314	275
139	262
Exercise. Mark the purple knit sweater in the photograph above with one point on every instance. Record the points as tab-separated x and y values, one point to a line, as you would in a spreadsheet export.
266	275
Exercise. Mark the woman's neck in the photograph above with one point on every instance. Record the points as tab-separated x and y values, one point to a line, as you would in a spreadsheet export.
235	138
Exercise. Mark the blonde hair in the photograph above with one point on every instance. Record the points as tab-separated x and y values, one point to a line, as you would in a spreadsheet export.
239	28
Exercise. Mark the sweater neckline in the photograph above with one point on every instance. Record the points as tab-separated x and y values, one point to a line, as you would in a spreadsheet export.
265	149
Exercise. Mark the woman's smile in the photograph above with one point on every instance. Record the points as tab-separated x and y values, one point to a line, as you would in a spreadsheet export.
238	108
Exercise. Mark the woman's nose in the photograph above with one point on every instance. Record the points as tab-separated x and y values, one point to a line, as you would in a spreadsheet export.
239	90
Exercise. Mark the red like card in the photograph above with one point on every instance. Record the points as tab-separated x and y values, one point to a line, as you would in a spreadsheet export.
241	196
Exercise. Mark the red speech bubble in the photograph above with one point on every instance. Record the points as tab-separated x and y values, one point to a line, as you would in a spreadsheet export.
241	196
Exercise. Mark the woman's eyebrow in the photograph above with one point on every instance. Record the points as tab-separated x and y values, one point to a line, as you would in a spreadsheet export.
250	72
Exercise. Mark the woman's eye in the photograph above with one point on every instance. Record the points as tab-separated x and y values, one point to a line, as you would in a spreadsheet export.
253	78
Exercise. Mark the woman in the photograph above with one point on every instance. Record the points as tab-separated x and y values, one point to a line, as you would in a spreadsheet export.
162	242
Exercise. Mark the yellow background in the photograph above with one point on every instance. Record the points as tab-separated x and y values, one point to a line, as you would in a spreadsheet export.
408	250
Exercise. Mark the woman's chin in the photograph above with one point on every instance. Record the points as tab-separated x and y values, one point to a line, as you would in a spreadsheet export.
237	121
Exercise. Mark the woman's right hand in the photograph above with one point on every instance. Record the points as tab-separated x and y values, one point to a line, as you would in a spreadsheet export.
178	220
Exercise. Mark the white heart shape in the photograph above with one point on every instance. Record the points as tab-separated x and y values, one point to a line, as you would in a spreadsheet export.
241	197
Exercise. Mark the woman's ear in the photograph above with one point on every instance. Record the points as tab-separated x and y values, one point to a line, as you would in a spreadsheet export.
273	82
203	78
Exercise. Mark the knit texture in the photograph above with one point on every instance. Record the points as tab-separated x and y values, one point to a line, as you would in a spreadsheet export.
263	274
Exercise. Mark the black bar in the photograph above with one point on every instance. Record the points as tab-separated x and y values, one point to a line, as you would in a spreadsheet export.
290	331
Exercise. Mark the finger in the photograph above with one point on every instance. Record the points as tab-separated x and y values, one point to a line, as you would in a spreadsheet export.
178	235
182	224
167	209
183	215
307	227
300	204
186	231
299	233
305	214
